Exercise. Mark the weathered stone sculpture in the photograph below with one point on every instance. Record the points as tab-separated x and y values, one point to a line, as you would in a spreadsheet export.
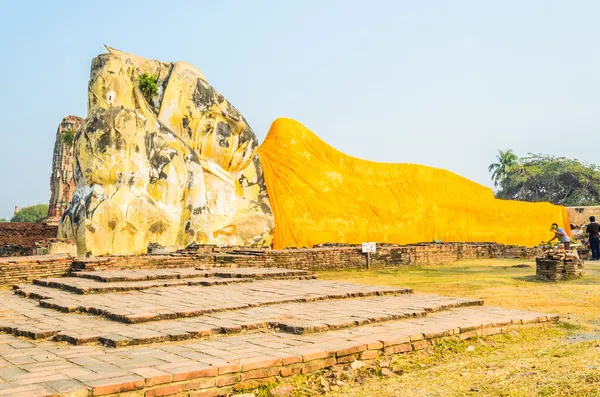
175	166
61	181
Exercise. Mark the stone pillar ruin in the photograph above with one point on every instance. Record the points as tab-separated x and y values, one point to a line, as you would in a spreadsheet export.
61	181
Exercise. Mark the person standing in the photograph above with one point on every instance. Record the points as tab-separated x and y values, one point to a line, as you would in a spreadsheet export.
559	233
593	231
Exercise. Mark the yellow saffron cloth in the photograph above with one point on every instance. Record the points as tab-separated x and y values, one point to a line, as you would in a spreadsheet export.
320	195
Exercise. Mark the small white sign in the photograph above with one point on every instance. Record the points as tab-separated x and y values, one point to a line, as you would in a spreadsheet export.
369	247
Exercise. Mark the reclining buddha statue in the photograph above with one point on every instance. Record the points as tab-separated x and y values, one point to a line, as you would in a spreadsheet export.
175	165
163	158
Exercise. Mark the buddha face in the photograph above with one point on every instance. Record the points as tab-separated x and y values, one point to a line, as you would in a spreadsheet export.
111	84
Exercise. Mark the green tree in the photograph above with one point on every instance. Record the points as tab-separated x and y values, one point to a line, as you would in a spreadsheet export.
31	214
148	85
505	161
558	180
3	220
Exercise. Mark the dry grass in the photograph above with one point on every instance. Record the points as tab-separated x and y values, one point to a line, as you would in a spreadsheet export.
499	284
562	360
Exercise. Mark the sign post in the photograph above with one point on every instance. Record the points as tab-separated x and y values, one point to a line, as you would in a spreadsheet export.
367	248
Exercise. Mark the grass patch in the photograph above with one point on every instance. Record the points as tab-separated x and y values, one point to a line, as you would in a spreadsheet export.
498	283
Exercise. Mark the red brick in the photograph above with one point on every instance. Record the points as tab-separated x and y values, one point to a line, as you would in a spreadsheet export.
260	373
120	384
369	355
153	376
192	372
350	350
310	353
200	383
397	340
225	367
253	383
164	390
420	344
227	380
212	392
289	371
249	364
291	360
375	346
316	365
402	348
347	359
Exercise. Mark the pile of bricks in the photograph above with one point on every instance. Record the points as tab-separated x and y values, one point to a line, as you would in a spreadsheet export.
14	250
18	238
556	265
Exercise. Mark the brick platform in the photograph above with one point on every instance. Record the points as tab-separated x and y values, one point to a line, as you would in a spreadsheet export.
211	339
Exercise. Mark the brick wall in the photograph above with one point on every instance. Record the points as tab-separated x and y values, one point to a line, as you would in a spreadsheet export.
18	238
15	270
142	261
351	257
318	258
21	269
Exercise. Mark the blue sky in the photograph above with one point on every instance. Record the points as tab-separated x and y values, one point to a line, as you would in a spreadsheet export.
440	83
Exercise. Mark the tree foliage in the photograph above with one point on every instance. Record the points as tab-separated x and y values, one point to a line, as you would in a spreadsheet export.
558	180
68	136
31	214
505	160
148	85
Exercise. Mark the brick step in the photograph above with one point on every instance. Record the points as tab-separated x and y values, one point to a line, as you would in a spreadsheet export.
86	286
181	273
166	303
299	318
109	276
90	286
221	366
259	273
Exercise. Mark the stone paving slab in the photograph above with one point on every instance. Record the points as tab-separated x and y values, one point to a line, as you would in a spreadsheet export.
23	317
166	303
218	366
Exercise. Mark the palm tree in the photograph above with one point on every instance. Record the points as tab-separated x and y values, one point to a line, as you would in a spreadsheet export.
505	161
